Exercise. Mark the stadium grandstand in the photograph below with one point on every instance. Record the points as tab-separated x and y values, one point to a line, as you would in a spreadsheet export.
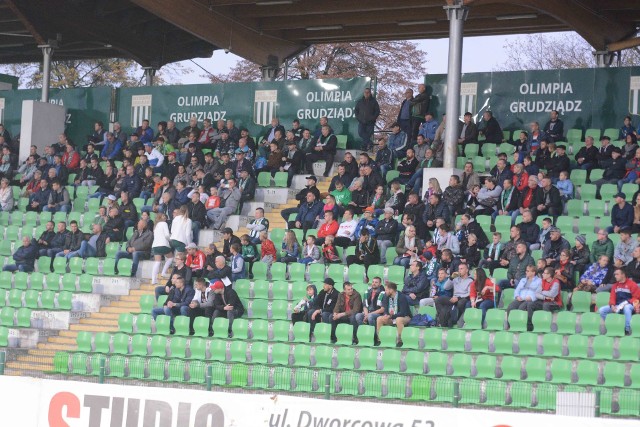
276	256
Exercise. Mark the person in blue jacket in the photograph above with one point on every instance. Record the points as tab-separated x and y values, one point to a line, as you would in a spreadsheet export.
24	257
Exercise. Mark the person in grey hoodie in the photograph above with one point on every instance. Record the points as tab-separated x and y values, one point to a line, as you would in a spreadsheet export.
450	309
138	246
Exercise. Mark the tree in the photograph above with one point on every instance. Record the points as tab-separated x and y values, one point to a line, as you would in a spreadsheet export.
395	64
555	51
115	72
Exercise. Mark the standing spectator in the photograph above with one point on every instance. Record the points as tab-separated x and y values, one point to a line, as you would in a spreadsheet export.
398	142
366	112
181	230
138	246
419	107
404	114
554	127
491	129
161	247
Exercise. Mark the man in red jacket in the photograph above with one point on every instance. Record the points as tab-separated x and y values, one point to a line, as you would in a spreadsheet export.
624	294
330	227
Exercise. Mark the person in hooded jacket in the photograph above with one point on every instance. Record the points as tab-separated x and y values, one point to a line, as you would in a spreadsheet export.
305	306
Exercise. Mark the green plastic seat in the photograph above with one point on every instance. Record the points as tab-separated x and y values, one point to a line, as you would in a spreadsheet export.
280	310
156	369
197	372
552	345
31	298
614	323
472	318
218	350
121	343
433	339
388	336
136	367
411	338
575	207
590	323
527	344
178	347
561	371
280	354
259	309
280	329
91	266
578	346
367	359
536	369
356	273
124	267
83	341
511	368
139	345
264	179
365	335
344	334
238	351
69	282
396	273
521	395
296	272
437	364
322	333
302	355
85	283
587	372
278	271
181	325
15	298
486	366
23	317
566	322
316	272
414	362
143	323
614	374
635	376
79	364
581	302
455	340
470	391
323	356
197	348
239	375
260	330
629	349
496	393
301	332
346	358
495	318
391	360
444	389
461	364
542	321
7	316
303	380
518	321
602	347
628	403
420	388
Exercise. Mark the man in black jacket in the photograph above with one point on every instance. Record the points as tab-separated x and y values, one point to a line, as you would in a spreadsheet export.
558	162
198	215
57	242
386	233
94	247
614	169
24	257
221	271
127	210
114	228
491	130
72	241
301	197
45	239
325	303
293	161
247	186
551	203
419	107
366	111
554	127
226	303
587	156
180	269
324	149
529	230
228	239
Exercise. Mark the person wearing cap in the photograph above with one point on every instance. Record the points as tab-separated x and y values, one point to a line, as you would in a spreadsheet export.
580	254
348	306
225	145
195	260
554	246
171	165
604	152
324	149
367	222
622	214
178	302
241	163
301	196
154	157
227	304
366	112
308	213
324	305
292	159
623	252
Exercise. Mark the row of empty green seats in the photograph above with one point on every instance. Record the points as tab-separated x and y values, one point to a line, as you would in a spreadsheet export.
89	266
47	300
20	317
510	392
70	282
355	273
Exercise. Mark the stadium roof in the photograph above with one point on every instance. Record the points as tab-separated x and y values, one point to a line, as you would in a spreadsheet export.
156	32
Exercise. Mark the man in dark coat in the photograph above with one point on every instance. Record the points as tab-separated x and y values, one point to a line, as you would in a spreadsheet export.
367	111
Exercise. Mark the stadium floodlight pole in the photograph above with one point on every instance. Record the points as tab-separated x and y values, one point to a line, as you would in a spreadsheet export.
47	51
456	13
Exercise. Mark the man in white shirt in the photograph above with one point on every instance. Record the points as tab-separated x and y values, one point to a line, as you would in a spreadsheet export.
257	225
201	305
346	230
154	157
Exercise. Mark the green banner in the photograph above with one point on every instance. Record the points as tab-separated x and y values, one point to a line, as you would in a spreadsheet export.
84	107
251	105
585	98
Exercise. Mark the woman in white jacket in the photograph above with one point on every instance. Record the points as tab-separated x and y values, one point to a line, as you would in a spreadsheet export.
160	247
181	231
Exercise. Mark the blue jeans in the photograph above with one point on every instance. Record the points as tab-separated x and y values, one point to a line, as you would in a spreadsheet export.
631	178
49	252
145	195
627	310
195	229
371	318
306	260
146	208
173	312
135	256
236	276
403	261
63	208
415	183
96	195
365	131
85	251
19	267
484	306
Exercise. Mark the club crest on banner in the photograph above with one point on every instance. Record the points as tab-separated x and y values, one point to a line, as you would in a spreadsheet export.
264	106
140	109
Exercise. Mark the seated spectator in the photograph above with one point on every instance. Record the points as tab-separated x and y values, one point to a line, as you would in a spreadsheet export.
558	162
416	284
491	257
435	208
341	194
490	128
630	146
626	129
329	251
293	160
529	199
633	268
408	248
201	305
367	251
396	312
482	294
531	168
310	252
221	271
349	304
565	186
308	213
325	303
501	172
368	222
440	285
372	307
267	248
451	309
396	199
580	254
488	198
290	247
468	225
615	168
407	167
549	298
443	238
398	141
621	214
59	200
469	252
228	239
177	304
601	246
229	200
384	157
386	233
328	228
633	169
238	270
594	276
468	132
138	247
24	257
94	247
625	294
554	246
517	265
114	228
527	291
529	230
72	241
249	252
195	260
564	271
550	202
623	252
324	149
359	197
6	196
305	306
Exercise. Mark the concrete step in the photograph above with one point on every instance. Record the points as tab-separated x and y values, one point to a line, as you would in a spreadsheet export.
62	340
99	322
31	367
118	310
130	298
93	328
57	347
107	316
68	334
38	352
124	304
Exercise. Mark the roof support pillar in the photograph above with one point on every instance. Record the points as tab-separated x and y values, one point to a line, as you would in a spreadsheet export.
457	14
149	75
47	51
604	58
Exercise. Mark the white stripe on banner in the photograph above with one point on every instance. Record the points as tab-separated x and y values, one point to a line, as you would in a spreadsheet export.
134	116
634	106
265	113
470	107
